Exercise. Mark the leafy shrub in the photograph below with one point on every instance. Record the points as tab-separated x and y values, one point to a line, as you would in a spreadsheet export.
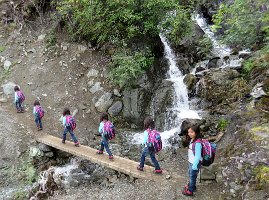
262	176
126	66
243	22
222	124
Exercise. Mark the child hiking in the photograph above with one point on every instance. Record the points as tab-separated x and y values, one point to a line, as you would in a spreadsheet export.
18	99
149	127
106	134
193	141
38	112
69	124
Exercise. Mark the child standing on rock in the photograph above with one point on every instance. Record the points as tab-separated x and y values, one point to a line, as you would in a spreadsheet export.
38	112
69	124
193	141
105	130
19	99
149	127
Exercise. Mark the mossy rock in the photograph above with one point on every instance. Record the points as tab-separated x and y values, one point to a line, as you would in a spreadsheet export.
262	176
263	103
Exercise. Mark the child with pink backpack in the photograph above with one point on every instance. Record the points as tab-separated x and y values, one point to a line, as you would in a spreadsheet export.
152	144
38	112
107	132
69	124
19	99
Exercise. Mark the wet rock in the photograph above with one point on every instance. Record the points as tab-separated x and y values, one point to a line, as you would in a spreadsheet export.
115	109
244	54
44	147
190	80
49	154
213	63
35	152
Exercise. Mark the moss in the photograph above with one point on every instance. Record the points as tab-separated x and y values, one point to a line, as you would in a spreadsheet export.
262	176
2	49
20	195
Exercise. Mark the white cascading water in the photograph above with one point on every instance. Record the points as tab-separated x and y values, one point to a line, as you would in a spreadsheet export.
219	49
180	108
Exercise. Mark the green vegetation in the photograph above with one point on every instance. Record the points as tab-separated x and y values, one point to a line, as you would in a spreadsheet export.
107	21
20	195
123	23
244	23
51	39
2	49
262	176
204	47
222	124
126	66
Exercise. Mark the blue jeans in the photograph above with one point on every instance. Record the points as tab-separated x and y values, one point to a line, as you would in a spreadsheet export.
19	105
104	144
38	122
192	177
152	156
66	130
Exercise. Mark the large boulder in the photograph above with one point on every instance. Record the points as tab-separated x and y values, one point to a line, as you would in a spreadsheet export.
104	102
222	86
8	88
115	109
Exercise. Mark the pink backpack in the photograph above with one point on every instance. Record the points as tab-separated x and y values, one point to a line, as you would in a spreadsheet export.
21	96
71	122
154	141
40	111
208	151
109	130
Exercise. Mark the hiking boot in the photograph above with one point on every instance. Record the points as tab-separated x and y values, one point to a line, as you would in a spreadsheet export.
158	171
187	187
18	111
99	152
187	192
77	144
140	168
110	157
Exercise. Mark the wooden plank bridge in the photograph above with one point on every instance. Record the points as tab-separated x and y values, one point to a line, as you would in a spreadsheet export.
120	164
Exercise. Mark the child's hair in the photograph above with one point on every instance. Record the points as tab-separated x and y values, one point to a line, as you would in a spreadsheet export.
16	88
66	111
149	123
104	116
198	135
36	103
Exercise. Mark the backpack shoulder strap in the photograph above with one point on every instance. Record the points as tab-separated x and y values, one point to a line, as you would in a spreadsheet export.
194	143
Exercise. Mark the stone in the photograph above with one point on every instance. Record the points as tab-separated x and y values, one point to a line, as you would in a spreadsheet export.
41	37
44	147
3	100
115	109
96	87
104	102
117	93
35	152
82	48
190	80
7	64
8	88
49	154
92	73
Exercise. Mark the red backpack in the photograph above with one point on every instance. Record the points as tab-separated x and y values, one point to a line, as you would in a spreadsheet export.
154	140
109	130
71	122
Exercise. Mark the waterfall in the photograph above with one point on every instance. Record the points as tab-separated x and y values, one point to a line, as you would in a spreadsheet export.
219	49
